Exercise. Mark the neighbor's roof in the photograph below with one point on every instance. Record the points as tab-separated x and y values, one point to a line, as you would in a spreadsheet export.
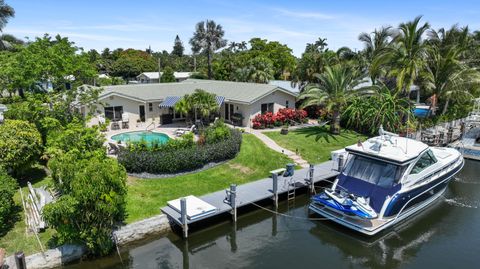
241	92
177	75
399	150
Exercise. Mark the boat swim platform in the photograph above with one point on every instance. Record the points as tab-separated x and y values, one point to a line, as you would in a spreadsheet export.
256	191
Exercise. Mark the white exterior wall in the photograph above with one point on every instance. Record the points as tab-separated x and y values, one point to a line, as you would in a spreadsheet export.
278	99
129	106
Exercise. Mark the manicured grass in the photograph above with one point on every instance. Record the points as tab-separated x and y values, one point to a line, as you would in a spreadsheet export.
255	160
16	238
314	144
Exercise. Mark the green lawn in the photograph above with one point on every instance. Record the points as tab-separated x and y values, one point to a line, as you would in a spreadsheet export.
314	144
255	160
16	238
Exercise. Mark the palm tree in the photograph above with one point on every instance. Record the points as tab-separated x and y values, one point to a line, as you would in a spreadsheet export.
407	54
208	38
6	12
336	85
448	75
375	43
203	102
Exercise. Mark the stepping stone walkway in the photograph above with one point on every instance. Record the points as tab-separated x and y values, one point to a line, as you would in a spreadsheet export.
271	144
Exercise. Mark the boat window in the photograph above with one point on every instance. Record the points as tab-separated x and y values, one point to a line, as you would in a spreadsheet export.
425	161
376	172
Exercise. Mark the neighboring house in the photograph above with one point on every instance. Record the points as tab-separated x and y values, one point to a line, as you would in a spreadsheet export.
3	108
286	84
150	102
154	77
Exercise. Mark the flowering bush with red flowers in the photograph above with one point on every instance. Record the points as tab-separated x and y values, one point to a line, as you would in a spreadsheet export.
283	116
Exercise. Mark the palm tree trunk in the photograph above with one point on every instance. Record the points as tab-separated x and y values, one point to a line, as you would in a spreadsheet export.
335	126
445	107
209	59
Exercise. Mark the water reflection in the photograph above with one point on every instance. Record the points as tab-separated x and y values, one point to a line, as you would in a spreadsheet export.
439	237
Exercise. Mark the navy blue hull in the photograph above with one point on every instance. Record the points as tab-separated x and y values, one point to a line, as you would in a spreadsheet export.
432	188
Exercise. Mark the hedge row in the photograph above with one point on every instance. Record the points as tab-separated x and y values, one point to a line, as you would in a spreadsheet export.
180	160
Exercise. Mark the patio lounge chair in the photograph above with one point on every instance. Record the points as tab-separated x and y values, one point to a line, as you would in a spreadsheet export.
180	132
125	120
112	148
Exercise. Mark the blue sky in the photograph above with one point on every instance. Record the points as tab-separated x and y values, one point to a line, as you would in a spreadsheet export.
140	23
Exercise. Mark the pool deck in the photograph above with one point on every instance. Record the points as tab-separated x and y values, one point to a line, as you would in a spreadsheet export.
249	193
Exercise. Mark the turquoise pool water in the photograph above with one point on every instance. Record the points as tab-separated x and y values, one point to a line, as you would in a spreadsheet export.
139	136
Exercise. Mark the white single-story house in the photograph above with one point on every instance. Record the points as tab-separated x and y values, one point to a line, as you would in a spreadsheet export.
155	102
154	77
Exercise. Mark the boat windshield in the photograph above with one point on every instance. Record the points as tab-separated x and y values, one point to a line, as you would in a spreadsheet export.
380	173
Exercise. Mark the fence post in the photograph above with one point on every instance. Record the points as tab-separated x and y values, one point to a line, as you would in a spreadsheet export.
183	215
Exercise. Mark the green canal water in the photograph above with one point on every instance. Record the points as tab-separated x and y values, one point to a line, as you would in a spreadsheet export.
446	235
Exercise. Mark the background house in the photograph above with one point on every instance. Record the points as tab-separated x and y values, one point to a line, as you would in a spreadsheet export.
154	77
149	102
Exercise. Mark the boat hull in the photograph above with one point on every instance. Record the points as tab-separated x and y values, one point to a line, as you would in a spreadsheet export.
419	199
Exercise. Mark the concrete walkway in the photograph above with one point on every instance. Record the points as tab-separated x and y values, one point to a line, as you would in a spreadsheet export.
271	144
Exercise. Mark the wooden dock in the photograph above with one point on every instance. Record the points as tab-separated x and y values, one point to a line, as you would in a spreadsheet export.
256	191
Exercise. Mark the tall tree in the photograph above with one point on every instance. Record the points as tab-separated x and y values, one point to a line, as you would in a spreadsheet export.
336	85
6	12
375	43
167	75
407	54
208	38
178	47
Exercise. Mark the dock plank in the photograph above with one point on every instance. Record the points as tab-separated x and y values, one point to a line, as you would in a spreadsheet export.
256	191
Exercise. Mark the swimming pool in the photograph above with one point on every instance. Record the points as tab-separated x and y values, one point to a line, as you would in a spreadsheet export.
138	136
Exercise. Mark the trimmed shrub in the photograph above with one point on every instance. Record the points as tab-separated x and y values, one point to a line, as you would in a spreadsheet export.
20	145
180	159
8	187
92	201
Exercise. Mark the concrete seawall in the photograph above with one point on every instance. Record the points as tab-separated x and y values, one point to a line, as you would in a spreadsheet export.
54	258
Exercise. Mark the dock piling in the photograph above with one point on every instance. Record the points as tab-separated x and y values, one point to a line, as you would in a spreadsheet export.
310	178
183	216
275	189
340	163
20	260
233	201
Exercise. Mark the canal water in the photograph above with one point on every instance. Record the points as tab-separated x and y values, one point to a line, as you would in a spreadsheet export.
446	235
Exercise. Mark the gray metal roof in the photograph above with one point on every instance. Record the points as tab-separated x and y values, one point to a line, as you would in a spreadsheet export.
232	91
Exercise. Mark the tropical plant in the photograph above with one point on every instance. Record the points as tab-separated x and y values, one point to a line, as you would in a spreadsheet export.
208	38
375	44
6	12
447	75
20	145
8	187
92	201
407	54
167	75
203	102
379	106
335	86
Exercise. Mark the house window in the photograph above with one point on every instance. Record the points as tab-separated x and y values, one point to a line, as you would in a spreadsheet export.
150	107
286	104
268	107
114	112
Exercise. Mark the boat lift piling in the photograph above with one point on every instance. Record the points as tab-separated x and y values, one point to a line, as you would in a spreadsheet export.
183	216
235	196
310	178
275	189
